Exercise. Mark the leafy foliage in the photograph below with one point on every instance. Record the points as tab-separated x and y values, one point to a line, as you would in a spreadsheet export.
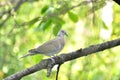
73	16
36	21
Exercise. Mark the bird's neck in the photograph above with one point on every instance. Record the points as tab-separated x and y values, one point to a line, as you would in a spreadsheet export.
60	35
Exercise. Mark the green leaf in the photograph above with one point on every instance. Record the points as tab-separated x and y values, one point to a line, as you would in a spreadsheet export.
61	21
56	28
73	16
104	25
40	25
47	24
44	25
99	5
33	21
44	9
58	20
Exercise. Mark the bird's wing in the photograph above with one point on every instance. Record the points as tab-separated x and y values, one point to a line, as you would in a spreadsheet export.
49	46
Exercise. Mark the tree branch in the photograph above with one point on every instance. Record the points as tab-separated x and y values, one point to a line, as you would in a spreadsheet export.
117	1
63	10
57	13
44	64
9	11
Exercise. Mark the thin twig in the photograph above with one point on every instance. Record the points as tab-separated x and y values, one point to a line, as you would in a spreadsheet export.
58	69
9	11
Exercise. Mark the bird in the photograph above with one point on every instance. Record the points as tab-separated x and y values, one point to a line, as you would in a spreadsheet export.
51	47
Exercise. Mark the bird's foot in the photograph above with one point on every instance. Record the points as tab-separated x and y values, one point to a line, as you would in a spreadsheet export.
53	61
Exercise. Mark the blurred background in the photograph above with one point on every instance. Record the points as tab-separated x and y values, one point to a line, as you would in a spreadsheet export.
25	24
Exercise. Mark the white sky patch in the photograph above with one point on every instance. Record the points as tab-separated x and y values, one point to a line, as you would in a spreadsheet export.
107	14
107	17
105	33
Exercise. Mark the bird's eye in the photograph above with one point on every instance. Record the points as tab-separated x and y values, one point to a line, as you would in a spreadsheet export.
63	31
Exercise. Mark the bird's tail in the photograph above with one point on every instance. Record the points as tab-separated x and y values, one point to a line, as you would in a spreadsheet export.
30	53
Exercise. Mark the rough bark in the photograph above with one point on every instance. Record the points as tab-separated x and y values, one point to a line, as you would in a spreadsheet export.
49	63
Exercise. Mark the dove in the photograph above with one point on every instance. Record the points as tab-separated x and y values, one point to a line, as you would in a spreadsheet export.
51	47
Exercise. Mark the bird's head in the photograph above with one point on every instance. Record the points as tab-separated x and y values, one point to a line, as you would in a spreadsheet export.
62	33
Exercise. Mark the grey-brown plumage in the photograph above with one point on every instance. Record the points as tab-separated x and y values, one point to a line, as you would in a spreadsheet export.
51	47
